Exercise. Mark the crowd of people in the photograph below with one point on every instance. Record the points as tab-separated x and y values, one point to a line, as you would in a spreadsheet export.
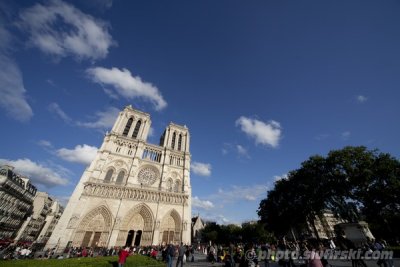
11	251
230	255
247	255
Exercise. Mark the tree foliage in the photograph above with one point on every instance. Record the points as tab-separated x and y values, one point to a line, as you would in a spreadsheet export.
354	183
247	232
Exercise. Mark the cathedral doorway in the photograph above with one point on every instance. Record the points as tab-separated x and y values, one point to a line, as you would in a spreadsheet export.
94	229
170	228
129	239
133	238
138	237
136	227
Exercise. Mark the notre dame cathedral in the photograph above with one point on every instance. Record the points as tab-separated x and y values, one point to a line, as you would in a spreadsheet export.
133	192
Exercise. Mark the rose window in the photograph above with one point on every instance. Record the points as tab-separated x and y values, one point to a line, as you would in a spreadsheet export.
147	176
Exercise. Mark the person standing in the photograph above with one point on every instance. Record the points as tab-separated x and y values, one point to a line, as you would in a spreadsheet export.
122	255
181	252
170	255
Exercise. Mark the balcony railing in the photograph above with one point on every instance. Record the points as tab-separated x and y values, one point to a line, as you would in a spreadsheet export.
105	190
152	153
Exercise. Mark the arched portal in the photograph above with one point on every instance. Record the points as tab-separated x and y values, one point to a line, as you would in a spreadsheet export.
140	220
170	231
94	229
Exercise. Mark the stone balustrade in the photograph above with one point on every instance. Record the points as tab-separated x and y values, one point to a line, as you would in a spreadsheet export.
105	190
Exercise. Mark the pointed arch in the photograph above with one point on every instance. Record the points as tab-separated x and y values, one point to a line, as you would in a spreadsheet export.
109	175
177	186
173	140
127	127
170	231
139	218
94	228
120	177
137	128
180	142
169	184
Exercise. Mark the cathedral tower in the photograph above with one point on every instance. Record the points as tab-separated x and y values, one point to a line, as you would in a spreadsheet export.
133	192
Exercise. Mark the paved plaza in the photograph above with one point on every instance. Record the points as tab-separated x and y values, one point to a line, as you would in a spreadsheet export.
201	261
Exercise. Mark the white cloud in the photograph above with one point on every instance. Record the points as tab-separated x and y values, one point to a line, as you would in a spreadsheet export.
213	217
127	85
361	98
250	197
37	173
56	109
242	151
202	204
45	144
12	90
104	119
60	29
83	154
263	133
237	193
221	219
346	135
280	177
322	137
227	148
201	169
49	81
228	198
5	37
110	93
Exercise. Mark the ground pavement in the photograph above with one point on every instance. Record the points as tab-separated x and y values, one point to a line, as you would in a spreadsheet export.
201	261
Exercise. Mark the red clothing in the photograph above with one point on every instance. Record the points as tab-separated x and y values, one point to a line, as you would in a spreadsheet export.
123	254
154	254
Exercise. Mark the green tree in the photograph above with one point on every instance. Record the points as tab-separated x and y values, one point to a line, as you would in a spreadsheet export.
352	182
210	232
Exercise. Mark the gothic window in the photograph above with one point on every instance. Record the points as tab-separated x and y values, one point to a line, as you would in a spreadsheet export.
173	140
147	176
137	127
108	177
169	184
177	186
162	139
120	178
180	142
127	127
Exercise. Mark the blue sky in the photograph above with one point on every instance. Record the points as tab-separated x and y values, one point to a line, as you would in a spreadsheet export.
261	85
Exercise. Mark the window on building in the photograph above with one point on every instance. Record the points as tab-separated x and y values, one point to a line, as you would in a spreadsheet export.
108	177
162	139
136	130
173	140
180	142
169	184
120	177
127	127
177	186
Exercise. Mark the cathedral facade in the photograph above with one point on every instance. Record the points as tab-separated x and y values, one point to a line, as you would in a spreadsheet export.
133	192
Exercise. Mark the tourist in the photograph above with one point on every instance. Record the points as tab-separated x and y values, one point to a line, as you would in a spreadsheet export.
170	255
181	253
122	255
